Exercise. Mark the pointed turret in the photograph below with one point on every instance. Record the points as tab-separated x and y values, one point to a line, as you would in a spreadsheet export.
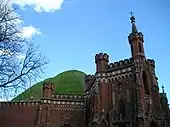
136	41
134	29
164	94
163	89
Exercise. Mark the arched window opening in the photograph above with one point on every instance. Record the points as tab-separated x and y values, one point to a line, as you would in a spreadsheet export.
134	75
145	82
91	107
132	50
122	109
140	47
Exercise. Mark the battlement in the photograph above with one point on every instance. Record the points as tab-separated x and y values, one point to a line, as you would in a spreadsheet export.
89	80
119	64
65	104
89	77
69	97
48	89
138	35
151	62
48	85
20	103
101	56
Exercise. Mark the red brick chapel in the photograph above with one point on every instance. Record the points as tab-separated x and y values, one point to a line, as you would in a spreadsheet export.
119	94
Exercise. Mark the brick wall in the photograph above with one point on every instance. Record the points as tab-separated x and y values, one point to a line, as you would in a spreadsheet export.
18	114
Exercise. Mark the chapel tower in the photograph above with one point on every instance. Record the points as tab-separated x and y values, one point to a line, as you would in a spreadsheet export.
136	41
125	93
140	72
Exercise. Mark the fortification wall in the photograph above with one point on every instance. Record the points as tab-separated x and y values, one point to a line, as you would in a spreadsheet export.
18	114
120	64
50	112
57	112
60	115
69	97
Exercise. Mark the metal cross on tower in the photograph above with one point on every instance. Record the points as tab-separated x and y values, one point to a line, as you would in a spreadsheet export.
131	13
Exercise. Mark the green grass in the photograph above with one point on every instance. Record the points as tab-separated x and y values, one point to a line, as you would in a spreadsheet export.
68	82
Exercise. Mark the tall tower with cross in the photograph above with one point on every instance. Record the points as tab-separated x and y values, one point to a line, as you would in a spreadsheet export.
128	93
136	40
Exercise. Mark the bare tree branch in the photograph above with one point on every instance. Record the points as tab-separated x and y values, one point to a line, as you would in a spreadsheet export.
16	73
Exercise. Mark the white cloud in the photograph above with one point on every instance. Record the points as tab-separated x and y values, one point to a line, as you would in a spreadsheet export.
30	31
40	5
27	32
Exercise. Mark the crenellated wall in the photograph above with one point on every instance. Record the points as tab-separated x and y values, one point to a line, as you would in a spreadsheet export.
18	114
56	111
101	61
69	97
89	81
60	110
151	62
120	64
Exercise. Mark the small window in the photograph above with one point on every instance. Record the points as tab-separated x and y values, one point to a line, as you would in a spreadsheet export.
122	109
132	49
140	47
145	82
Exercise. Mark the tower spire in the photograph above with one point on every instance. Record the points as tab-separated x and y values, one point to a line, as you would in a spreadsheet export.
136	41
163	89
132	18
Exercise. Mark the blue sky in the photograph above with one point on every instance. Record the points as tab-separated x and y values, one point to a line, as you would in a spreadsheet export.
75	30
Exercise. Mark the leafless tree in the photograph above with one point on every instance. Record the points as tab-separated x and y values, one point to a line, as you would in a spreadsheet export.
16	72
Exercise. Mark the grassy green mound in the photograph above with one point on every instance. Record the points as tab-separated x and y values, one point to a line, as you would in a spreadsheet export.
68	82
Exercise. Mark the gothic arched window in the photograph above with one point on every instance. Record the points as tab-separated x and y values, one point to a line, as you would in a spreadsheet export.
132	50
122	109
140	47
145	82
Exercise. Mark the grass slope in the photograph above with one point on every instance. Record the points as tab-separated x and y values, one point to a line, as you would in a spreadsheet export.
68	82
